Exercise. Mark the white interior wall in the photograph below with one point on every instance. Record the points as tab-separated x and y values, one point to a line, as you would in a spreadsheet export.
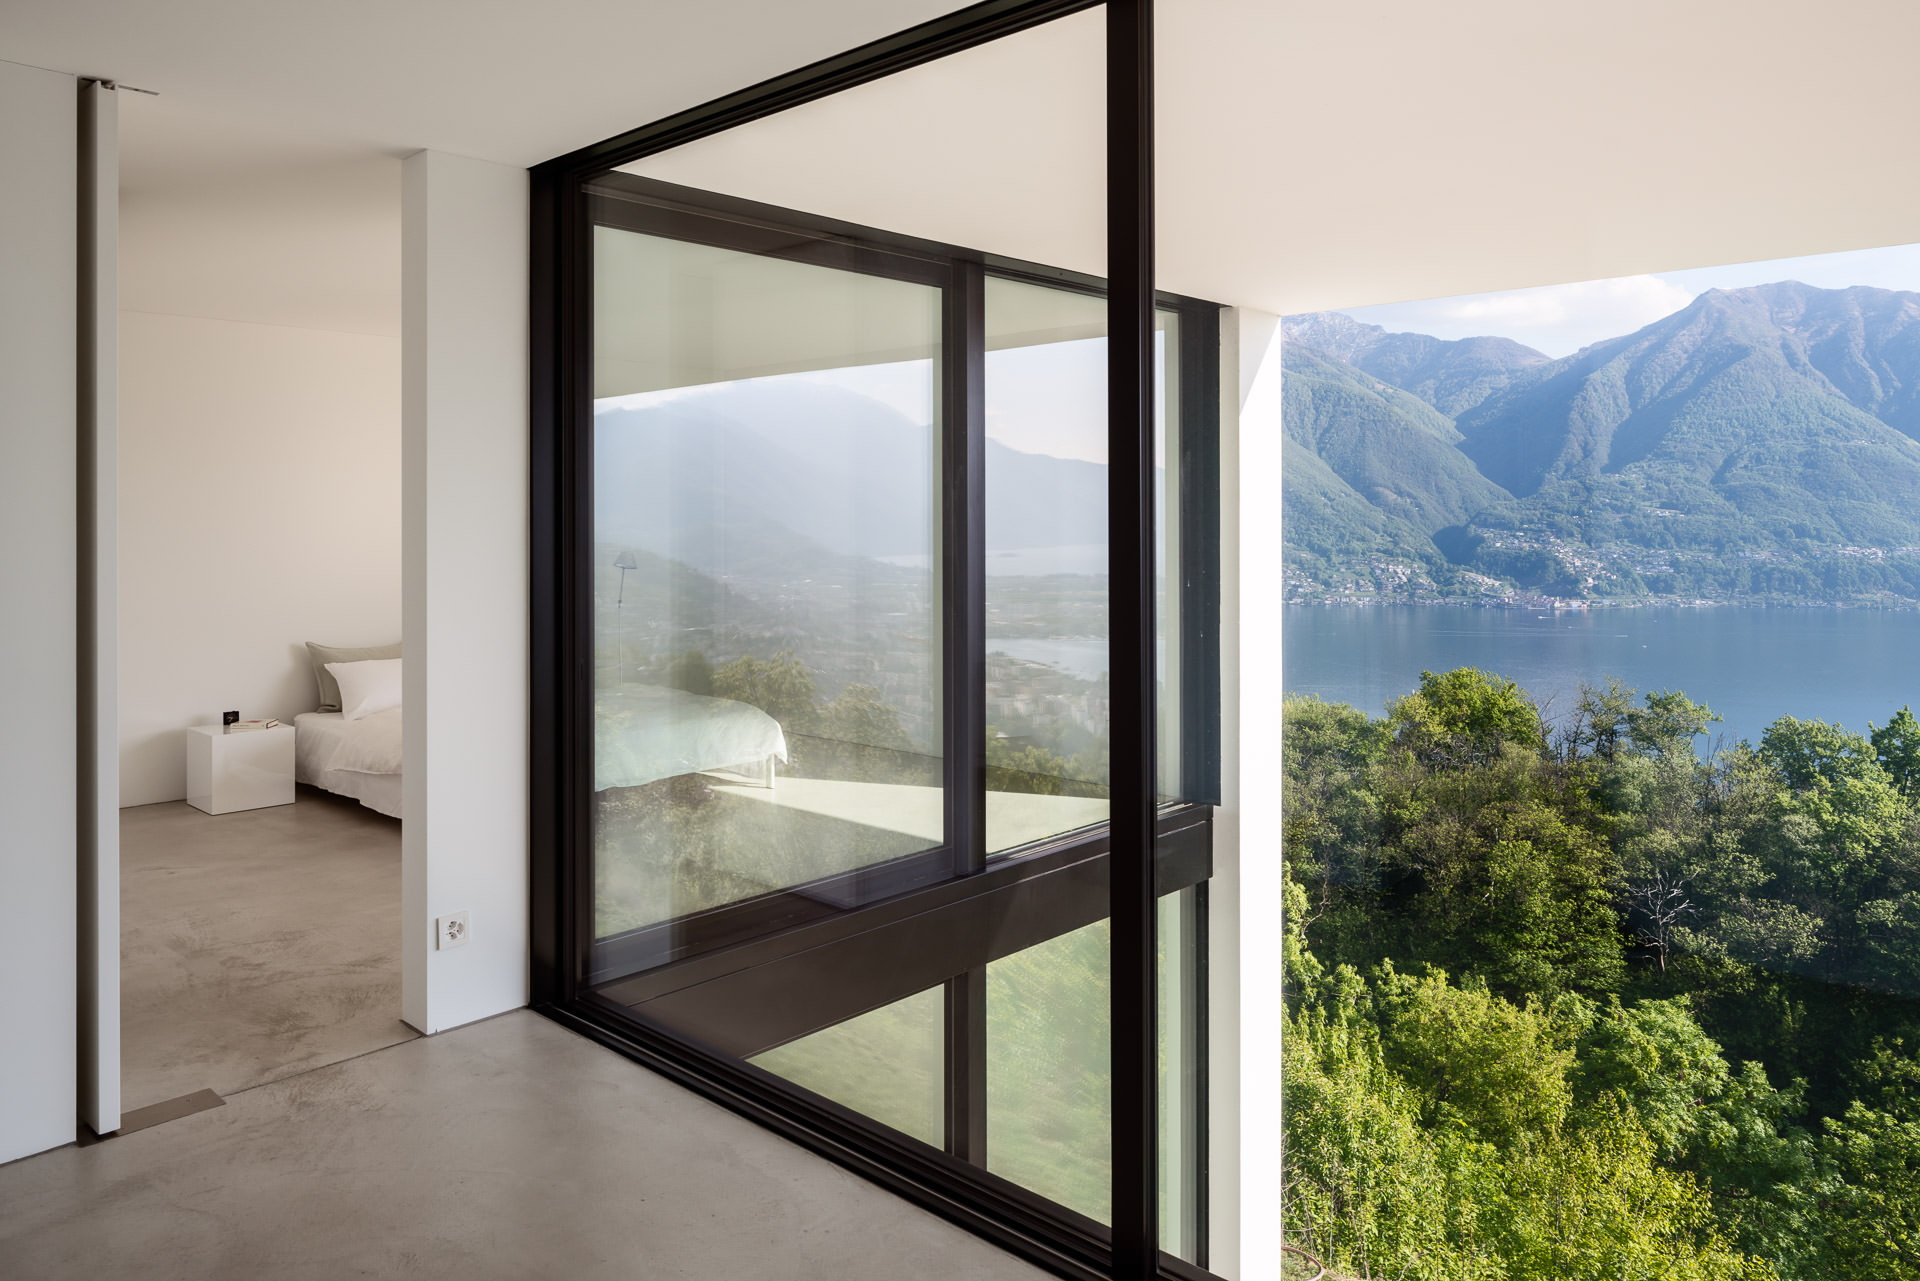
466	564
259	509
39	1065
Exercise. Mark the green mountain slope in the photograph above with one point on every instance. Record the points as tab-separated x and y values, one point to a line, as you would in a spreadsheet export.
1717	413
1761	443
1451	375
1395	451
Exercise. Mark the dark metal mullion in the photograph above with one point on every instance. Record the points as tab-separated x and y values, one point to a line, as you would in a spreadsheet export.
963	494
966	1083
560	387
965	349
967	28
1199	567
1130	475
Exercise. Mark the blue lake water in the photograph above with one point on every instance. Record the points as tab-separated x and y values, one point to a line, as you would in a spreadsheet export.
1750	665
1082	656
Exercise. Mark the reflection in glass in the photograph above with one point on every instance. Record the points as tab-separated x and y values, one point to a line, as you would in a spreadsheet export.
766	642
1047	692
889	1064
1046	566
1049	1077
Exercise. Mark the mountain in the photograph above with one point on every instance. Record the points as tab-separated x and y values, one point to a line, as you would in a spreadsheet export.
1724	412
1451	375
768	478
1758	443
1395	451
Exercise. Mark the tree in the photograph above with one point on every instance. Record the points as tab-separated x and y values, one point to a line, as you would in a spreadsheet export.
1897	745
780	686
1506	872
1668	723
861	738
1465	714
691	672
1015	767
1874	1212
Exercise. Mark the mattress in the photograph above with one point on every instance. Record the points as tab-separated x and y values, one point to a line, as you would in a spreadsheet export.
316	737
642	733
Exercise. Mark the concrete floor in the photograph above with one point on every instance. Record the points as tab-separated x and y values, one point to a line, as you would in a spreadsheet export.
256	944
507	1149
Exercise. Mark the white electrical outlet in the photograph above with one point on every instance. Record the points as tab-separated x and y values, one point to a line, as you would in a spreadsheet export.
450	931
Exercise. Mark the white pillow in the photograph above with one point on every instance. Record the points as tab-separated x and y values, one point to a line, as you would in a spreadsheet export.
369	686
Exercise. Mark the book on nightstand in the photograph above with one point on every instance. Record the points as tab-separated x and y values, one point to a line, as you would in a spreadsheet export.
244	727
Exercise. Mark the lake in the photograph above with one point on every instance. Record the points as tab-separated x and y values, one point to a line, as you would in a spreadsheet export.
1751	665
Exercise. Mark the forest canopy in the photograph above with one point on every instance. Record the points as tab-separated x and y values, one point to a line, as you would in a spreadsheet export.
1572	1000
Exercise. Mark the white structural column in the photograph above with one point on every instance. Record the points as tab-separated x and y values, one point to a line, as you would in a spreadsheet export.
99	616
39	634
1250	624
465	486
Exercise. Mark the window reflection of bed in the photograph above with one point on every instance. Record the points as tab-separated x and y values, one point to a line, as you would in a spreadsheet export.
644	733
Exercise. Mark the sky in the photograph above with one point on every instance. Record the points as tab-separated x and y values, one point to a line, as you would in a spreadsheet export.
1561	319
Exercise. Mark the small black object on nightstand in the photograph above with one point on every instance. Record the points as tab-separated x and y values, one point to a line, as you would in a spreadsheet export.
228	718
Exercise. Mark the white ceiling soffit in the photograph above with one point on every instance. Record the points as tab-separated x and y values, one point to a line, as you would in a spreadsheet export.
504	80
1320	155
1310	154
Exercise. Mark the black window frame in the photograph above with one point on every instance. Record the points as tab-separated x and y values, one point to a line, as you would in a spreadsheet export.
883	916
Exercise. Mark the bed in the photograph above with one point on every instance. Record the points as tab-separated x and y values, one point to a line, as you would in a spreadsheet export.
644	733
359	759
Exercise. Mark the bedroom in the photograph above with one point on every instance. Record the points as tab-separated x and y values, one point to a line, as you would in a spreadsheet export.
259	509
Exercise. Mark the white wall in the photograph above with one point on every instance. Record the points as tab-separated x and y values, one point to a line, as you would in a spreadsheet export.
1250	770
259	509
39	130
464	254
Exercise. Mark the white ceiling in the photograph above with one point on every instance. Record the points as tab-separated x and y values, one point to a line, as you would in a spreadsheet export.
1311	154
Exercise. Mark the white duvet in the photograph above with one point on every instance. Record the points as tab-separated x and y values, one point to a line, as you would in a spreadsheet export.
370	745
643	733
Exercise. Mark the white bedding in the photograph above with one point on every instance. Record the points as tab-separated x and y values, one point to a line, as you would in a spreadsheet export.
643	733
324	742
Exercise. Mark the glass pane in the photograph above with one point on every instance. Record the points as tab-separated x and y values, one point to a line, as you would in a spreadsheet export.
1046	414
1169	598
766	550
889	1064
1182	994
1049	1078
1047	693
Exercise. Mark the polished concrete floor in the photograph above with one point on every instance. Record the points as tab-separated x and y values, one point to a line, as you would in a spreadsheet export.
256	944
507	1149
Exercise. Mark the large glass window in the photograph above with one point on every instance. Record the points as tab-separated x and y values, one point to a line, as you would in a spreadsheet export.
766	544
831	665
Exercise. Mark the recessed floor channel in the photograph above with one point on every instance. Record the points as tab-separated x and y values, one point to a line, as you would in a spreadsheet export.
157	1114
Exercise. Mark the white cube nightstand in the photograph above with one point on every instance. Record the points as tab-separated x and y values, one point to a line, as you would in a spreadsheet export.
228	772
